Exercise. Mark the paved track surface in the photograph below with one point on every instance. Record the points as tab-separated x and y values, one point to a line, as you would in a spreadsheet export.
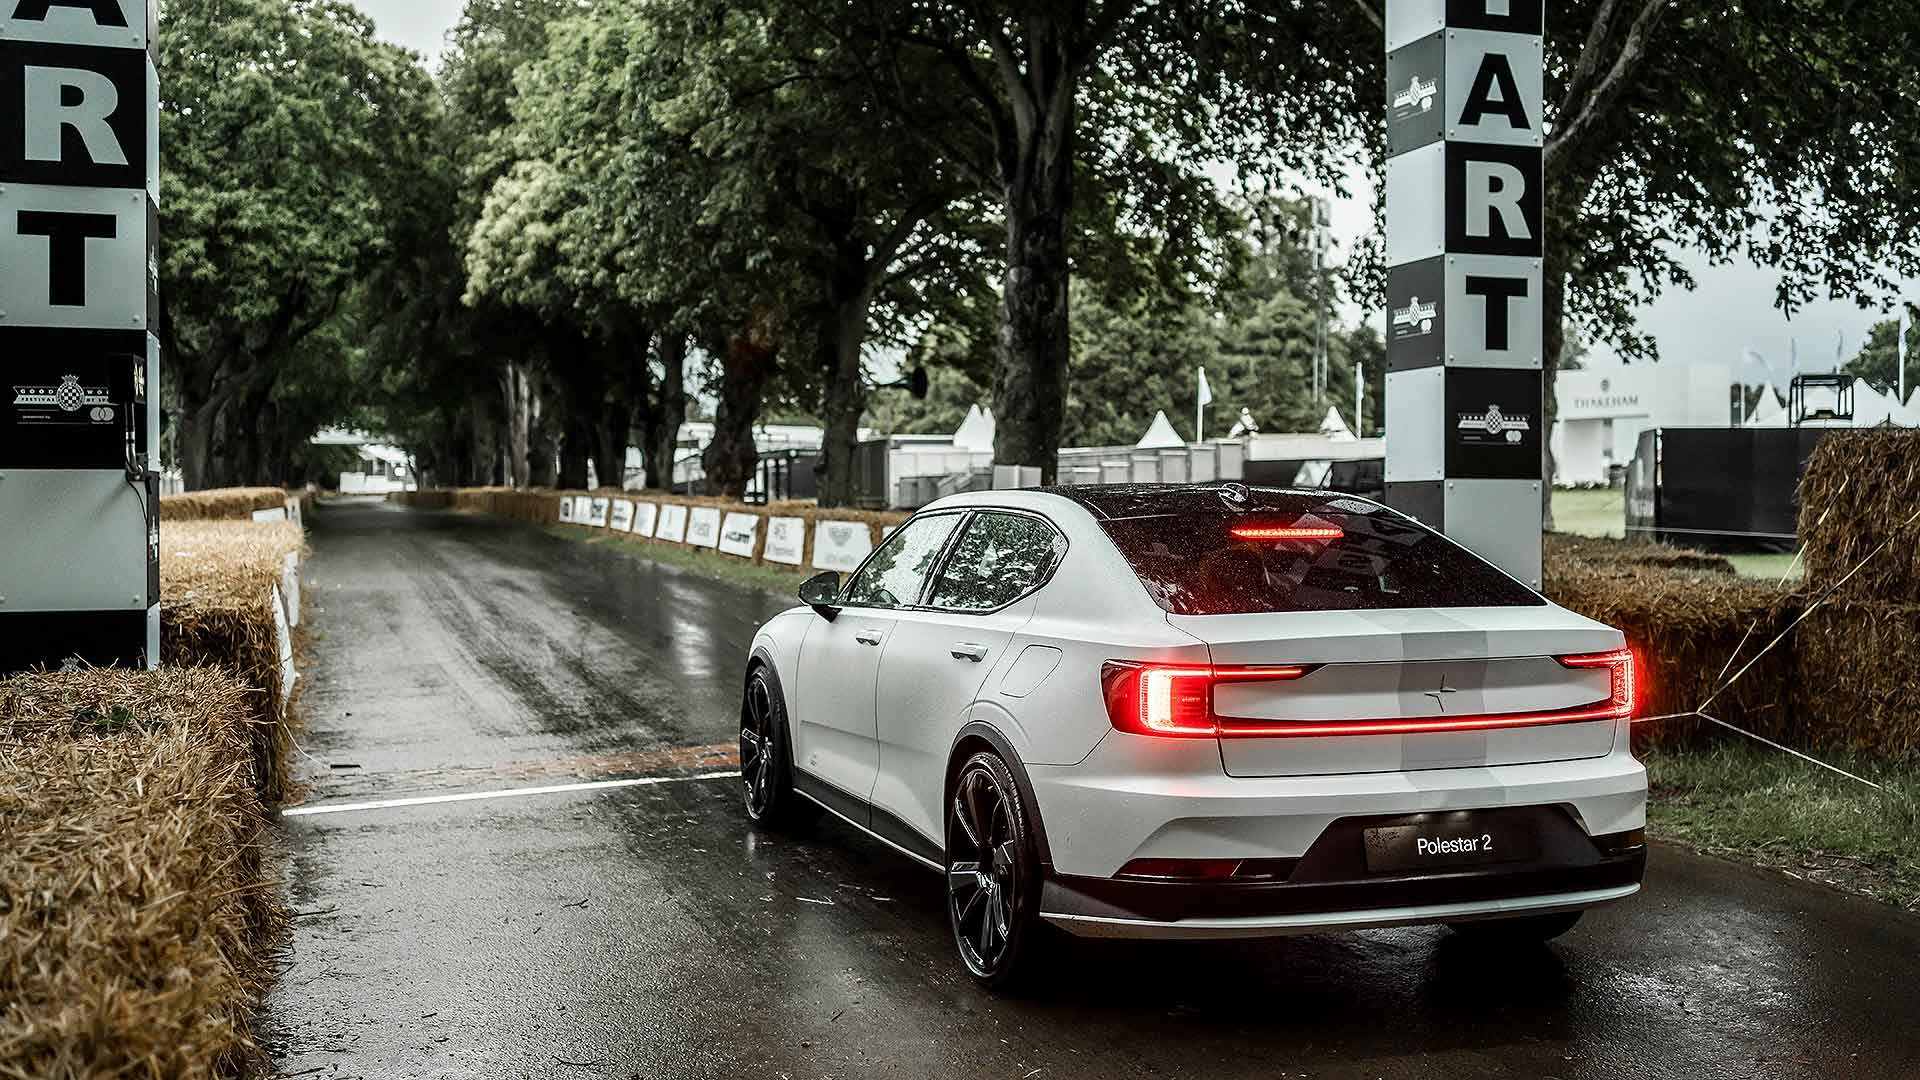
644	931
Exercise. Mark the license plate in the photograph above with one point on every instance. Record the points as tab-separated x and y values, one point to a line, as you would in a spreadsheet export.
1449	842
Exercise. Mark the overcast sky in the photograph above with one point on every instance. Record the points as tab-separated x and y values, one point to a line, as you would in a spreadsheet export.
1730	312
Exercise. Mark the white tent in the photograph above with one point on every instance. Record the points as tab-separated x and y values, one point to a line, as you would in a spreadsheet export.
1871	408
1335	428
1160	435
976	431
1767	412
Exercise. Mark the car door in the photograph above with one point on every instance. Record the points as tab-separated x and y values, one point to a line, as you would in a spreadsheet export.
940	654
834	735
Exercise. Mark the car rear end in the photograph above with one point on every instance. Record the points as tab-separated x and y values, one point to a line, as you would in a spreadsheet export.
1384	730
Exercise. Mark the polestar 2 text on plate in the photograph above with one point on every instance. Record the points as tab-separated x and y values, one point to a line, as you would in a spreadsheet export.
1201	711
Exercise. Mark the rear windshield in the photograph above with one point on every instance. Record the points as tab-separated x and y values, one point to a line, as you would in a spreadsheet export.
1330	555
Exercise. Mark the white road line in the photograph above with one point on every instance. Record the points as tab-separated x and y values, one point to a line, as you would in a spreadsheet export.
509	793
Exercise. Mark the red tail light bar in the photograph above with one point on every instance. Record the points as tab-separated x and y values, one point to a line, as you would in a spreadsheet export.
1176	701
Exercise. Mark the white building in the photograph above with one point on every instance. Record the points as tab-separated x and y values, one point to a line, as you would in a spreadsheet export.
1602	411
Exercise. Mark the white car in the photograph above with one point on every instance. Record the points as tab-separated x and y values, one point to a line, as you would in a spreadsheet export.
1201	711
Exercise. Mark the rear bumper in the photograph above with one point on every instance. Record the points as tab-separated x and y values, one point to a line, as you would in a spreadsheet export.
1280	925
1138	797
1331	886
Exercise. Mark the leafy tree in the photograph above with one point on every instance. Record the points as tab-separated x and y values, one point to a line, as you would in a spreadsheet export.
286	125
1879	357
1095	125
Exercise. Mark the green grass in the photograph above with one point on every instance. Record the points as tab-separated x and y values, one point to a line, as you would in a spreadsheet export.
776	579
1771	565
1603	512
1762	806
1590	511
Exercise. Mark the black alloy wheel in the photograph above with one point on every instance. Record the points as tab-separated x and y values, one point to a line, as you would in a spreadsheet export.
765	769
993	874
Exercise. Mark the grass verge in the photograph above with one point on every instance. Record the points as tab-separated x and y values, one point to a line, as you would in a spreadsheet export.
1761	806
777	579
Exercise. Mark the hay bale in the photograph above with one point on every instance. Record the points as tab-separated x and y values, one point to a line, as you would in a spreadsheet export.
138	900
1691	631
1855	680
221	504
217	582
1859	495
1645	554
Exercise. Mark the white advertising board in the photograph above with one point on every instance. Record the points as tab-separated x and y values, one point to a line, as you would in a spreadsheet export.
841	545
738	533
786	540
703	526
622	520
597	512
645	516
582	508
271	513
673	523
566	508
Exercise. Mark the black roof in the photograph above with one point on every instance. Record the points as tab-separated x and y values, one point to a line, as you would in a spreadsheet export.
1111	501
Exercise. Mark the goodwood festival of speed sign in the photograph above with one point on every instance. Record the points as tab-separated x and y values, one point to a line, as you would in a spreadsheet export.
79	196
1464	281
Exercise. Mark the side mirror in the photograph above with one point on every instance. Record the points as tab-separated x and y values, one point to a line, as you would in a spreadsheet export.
821	592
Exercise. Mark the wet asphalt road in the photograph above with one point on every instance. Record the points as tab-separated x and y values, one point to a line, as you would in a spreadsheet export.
646	932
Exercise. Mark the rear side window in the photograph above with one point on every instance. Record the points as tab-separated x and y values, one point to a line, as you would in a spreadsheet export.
893	574
998	559
1337	555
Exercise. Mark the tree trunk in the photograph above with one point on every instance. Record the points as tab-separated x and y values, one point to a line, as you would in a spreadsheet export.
666	411
516	391
195	440
1552	310
747	366
625	364
1030	378
543	438
843	331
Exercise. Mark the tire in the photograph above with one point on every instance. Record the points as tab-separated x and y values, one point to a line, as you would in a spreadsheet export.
993	876
1520	930
766	762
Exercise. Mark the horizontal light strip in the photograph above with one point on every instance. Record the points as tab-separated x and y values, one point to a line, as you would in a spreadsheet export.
508	793
1230	727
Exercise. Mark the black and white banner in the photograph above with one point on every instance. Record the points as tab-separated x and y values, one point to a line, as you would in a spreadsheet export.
1465	237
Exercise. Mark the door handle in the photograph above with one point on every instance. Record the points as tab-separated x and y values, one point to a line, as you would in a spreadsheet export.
867	637
966	650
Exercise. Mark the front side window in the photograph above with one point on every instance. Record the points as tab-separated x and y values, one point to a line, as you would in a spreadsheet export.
998	559
893	576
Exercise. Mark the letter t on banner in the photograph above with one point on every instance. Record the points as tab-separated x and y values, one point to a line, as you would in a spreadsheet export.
1464	282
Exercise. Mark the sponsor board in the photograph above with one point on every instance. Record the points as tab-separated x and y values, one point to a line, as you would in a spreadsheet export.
645	516
582	508
597	512
673	523
622	515
703	526
566	508
738	534
841	545
271	513
786	540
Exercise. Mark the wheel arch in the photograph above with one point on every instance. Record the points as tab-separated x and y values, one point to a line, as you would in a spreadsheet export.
977	735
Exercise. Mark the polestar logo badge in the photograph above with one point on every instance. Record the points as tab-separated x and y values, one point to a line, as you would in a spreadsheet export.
1439	701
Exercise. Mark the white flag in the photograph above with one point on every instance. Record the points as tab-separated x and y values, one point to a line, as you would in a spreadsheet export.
1206	392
